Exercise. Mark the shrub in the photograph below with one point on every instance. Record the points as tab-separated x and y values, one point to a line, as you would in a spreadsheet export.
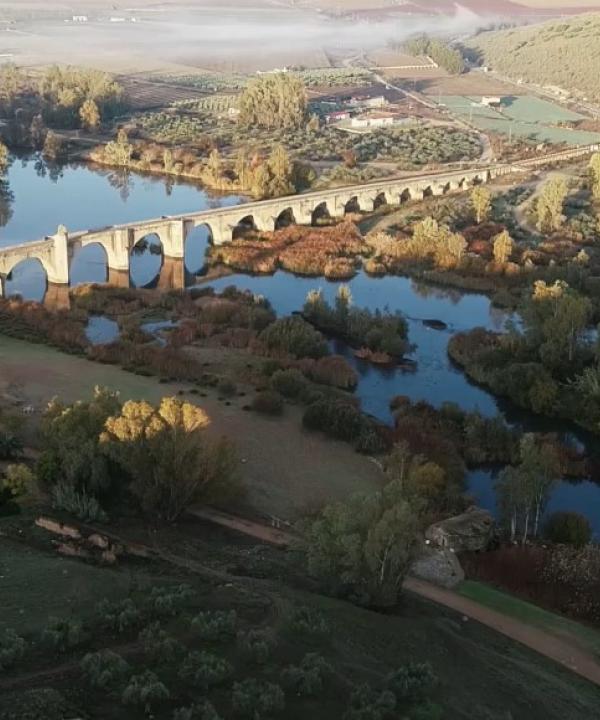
427	711
203	710
268	403
367	704
256	644
145	690
168	601
309	677
159	644
104	669
205	669
63	635
257	699
307	622
12	649
336	418
38	704
18	479
370	442
290	383
119	616
78	503
568	528
334	370
411	682
216	626
10	446
293	336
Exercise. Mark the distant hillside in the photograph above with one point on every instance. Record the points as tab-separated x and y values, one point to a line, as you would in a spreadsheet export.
565	53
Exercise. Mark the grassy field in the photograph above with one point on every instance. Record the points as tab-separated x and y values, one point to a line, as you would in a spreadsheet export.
286	471
549	622
525	117
481	674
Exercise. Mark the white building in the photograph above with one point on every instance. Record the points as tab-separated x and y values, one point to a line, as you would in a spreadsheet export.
491	101
373	121
80	18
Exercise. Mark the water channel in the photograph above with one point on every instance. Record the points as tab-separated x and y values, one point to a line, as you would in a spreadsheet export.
82	197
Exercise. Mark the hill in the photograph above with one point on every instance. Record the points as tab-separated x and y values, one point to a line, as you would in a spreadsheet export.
565	53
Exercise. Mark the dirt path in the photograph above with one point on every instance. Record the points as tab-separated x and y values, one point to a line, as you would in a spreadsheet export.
570	656
561	651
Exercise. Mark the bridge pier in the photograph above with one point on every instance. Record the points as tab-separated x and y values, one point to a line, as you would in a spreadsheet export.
58	265
172	274
118	278
57	297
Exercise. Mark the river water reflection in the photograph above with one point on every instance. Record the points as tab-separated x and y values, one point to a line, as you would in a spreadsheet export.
81	197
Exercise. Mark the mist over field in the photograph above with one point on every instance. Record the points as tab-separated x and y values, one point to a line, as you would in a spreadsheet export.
242	37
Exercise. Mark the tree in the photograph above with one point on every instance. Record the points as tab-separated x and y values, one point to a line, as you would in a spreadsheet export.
3	158
257	699
89	114
503	247
481	200
421	482
204	669
53	148
71	452
119	152
145	690
362	548
568	528
214	166
595	175
282	173
549	208
166	454
104	669
275	100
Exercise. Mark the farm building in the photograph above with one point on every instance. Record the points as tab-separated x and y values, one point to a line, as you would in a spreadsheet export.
491	101
374	121
80	18
337	116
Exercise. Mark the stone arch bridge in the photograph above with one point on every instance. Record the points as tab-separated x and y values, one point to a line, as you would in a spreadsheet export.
56	252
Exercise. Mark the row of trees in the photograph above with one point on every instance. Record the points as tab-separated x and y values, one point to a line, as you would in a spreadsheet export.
98	452
440	52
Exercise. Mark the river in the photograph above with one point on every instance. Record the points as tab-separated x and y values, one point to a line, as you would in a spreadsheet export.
79	197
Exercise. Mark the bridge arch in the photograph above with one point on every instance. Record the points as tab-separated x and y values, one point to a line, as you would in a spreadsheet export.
380	199
197	244
146	261
405	196
352	206
285	219
89	264
246	224
427	192
27	278
320	214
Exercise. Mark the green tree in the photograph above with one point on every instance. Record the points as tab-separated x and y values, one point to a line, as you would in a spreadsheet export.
3	158
274	100
568	528
145	690
71	451
256	699
119	151
168	457
550	203
362	548
481	200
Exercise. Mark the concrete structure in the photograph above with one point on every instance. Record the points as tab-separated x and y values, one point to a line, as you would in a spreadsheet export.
56	252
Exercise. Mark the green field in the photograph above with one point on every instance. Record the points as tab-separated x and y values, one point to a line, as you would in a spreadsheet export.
481	673
527	117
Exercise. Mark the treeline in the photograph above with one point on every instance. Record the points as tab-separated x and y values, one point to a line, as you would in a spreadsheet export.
263	176
275	100
63	98
551	365
440	52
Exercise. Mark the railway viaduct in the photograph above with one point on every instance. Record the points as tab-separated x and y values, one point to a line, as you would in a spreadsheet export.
55	252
